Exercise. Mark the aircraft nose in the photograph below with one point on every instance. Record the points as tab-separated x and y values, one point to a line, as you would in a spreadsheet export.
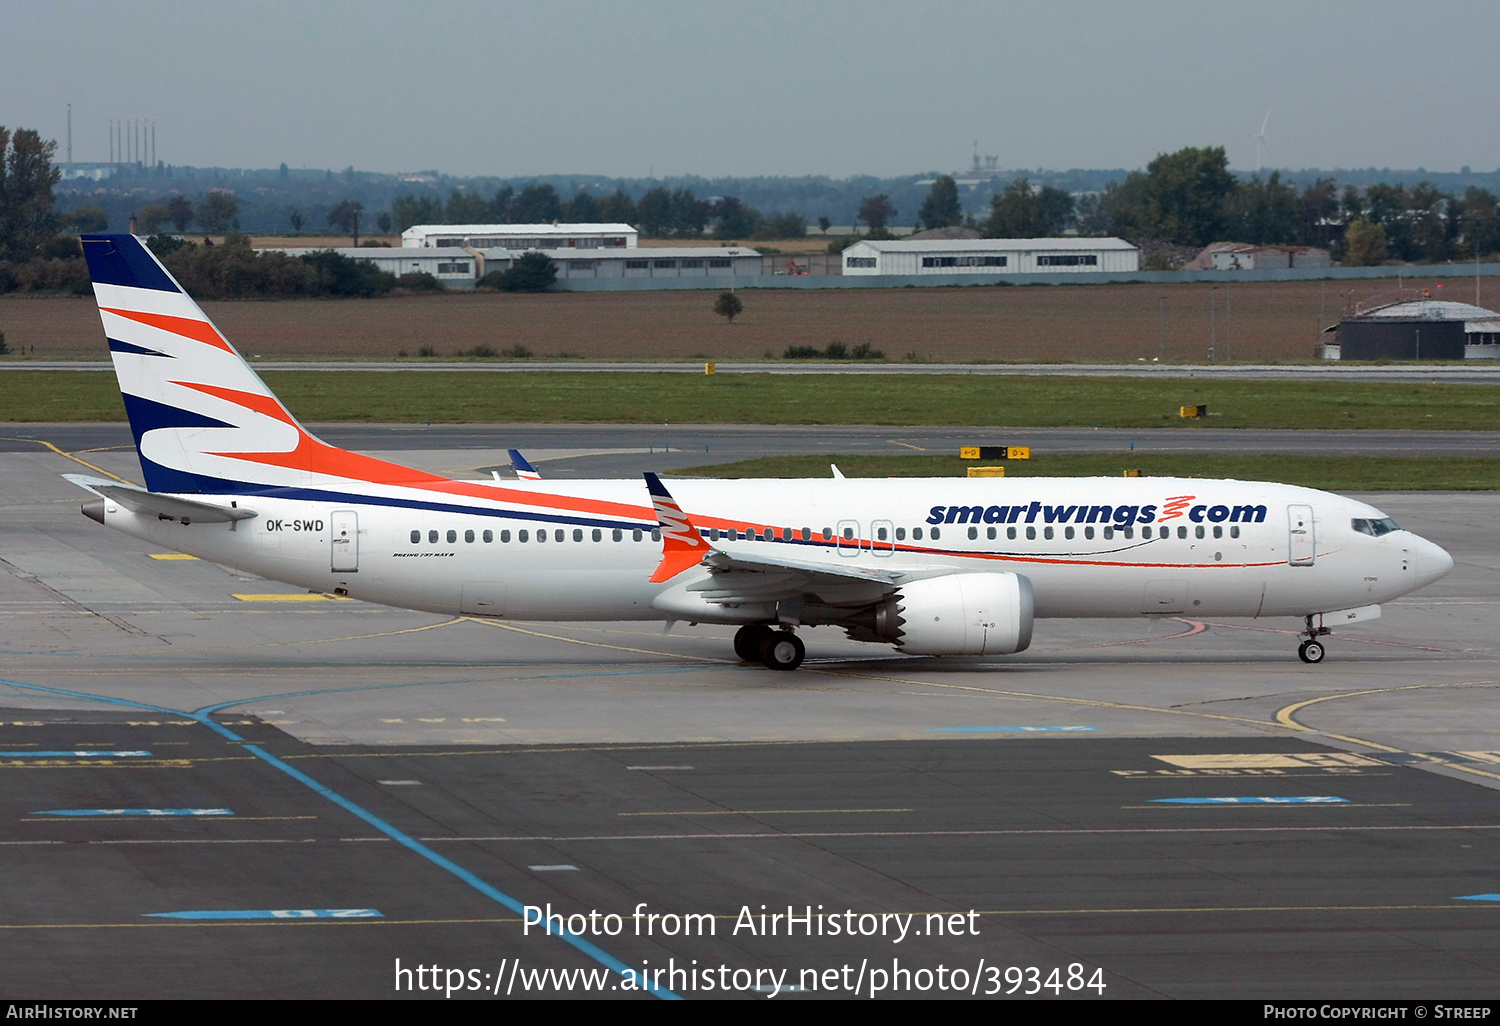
1431	562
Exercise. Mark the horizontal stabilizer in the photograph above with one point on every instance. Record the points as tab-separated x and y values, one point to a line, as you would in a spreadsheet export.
167	507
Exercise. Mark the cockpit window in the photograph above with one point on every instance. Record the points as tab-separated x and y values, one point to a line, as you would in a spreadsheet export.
1374	528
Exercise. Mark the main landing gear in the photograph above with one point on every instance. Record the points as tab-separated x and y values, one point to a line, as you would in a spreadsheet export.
779	650
1311	650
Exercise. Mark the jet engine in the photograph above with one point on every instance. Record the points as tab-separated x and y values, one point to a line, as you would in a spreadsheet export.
958	614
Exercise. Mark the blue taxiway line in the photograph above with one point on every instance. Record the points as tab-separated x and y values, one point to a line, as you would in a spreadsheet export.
1305	799
134	812
272	913
76	754
1012	730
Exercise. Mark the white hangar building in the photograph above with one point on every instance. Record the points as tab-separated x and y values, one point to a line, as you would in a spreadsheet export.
661	262
522	237
991	256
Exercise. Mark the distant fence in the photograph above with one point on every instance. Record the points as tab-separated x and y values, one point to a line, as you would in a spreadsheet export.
897	281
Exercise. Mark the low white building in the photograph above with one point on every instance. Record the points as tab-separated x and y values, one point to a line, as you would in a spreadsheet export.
454	267
522	237
991	256
461	268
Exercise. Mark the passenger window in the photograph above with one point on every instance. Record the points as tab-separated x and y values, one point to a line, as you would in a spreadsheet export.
1129	532
523	536
489	536
541	536
1218	531
469	537
786	534
989	532
578	534
936	534
827	534
1234	532
618	534
1088	532
1182	532
1047	533
416	536
916	534
713	533
1109	533
1067	532
452	536
656	534
635	535
880	533
901	534
1031	534
1198	532
432	537
1010	532
505	537
807	534
598	534
973	534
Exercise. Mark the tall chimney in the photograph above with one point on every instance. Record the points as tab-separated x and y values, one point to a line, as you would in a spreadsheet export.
132	223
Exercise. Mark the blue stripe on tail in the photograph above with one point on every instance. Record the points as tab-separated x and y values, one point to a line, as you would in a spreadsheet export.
120	259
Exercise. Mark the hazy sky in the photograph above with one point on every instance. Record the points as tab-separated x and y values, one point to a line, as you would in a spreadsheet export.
763	87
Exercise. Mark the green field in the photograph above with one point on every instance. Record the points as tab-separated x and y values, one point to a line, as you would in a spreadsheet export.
956	399
1332	473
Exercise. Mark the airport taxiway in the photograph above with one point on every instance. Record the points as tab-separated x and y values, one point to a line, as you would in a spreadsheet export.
1179	803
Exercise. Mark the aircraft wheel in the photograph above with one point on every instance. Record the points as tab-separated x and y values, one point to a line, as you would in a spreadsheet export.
782	650
748	641
1310	652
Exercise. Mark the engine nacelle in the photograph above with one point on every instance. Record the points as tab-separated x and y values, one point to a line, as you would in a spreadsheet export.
965	614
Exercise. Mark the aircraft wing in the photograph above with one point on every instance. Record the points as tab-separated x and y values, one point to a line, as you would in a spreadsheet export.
742	574
167	507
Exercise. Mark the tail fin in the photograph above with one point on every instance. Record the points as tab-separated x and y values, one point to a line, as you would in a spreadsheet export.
682	546
524	470
203	420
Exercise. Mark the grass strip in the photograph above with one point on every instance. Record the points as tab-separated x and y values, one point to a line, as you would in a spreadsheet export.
957	399
1330	473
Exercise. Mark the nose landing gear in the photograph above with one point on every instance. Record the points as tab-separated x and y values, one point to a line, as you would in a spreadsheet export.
1311	649
779	650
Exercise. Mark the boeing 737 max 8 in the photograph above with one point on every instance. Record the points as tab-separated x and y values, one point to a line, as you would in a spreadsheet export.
933	567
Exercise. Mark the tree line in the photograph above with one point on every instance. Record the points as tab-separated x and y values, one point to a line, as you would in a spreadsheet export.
1190	198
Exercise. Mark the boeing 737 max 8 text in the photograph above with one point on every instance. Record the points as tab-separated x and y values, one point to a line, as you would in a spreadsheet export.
933	566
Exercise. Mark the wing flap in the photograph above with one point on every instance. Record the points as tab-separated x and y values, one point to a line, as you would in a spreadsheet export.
743	574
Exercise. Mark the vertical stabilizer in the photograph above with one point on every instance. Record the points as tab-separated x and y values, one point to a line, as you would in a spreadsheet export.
203	420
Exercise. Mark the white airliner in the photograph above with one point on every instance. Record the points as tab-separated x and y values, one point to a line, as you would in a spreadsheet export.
931	566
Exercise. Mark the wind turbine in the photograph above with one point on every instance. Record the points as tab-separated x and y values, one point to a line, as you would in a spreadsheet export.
1260	139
